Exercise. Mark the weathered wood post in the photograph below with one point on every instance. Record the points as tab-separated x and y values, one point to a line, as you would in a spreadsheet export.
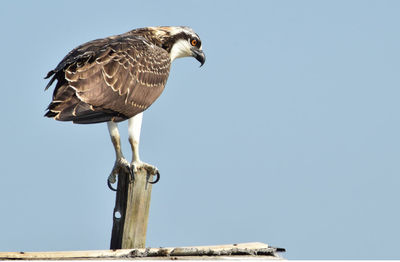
131	211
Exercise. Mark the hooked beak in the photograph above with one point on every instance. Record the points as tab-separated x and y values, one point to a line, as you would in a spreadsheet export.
199	55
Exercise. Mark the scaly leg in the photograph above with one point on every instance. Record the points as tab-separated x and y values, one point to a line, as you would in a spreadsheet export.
134	126
120	163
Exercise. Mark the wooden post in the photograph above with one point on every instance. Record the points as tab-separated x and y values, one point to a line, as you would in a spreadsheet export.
131	211
245	251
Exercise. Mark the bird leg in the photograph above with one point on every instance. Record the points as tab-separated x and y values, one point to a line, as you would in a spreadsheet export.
121	164
134	126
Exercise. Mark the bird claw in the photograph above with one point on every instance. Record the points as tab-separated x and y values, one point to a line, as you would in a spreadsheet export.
121	165
131	173
151	170
109	184
157	178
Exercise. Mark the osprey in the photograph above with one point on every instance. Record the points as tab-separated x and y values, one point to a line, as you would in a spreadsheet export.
116	78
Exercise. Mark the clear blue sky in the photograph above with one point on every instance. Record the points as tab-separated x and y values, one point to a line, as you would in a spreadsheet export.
288	135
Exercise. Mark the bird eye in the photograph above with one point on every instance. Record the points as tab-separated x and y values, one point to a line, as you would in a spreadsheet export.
193	42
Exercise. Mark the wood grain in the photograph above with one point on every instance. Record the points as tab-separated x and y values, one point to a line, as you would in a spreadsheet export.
232	251
131	211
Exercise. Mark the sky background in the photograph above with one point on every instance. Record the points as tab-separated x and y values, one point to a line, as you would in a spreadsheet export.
288	135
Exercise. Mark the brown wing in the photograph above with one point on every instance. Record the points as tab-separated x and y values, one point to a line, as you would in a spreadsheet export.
107	79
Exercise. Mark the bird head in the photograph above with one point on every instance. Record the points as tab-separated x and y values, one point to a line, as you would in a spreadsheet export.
179	41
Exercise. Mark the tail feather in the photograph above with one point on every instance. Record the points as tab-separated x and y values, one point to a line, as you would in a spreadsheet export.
49	74
67	106
80	112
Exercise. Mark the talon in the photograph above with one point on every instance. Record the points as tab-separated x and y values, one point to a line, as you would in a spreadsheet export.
127	169
132	173
157	174
112	178
110	186
121	165
150	170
